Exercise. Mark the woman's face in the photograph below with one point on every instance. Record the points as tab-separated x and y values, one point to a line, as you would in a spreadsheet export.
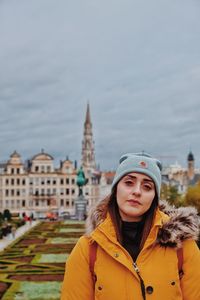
135	193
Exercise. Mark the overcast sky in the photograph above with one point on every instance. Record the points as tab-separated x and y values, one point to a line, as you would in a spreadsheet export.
136	61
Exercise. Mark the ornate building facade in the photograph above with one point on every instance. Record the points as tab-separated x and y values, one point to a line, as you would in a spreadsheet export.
180	177
37	187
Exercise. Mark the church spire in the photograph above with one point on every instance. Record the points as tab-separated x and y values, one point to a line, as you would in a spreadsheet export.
87	118
88	155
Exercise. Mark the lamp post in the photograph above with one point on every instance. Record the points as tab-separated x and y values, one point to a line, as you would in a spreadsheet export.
80	202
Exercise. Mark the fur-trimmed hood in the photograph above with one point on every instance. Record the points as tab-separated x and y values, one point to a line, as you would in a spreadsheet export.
183	223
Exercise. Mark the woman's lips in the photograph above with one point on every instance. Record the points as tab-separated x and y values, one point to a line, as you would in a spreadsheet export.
134	202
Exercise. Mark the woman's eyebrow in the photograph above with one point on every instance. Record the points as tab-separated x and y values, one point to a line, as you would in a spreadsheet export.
148	180
134	177
130	176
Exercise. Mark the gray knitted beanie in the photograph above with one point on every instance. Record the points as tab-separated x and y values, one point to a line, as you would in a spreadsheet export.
139	163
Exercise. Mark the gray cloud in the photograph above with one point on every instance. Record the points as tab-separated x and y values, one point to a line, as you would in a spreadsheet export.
138	63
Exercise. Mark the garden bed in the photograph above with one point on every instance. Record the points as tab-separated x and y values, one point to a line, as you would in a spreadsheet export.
37	277
3	287
33	267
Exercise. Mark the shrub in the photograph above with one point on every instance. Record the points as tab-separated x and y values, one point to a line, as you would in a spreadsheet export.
7	215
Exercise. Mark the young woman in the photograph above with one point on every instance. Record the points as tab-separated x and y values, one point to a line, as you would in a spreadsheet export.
137	240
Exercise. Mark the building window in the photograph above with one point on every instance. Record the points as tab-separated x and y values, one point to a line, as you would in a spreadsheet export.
67	191
48	202
61	202
37	203
61	181
12	171
12	204
18	171
42	169
18	181
23	181
73	181
7	192
23	203
18	193
48	169
12	192
86	191
54	181
7	181
67	180
36	168
73	191
18	203
67	203
12	181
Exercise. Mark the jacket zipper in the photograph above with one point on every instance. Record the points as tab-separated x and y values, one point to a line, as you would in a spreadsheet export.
142	285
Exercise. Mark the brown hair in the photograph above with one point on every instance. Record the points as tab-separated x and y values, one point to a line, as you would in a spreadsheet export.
116	218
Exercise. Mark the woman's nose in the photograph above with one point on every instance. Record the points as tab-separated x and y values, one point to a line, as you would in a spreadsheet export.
136	189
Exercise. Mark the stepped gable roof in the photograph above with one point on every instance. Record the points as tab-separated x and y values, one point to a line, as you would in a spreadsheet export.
42	156
15	159
15	154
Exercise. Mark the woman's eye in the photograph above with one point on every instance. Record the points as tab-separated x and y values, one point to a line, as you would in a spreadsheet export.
147	187
128	182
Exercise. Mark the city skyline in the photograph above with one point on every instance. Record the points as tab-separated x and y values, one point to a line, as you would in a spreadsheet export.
137	63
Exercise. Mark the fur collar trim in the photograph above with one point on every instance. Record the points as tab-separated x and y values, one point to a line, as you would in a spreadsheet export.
183	223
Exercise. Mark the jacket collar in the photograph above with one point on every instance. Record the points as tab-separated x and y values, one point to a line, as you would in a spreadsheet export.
171	226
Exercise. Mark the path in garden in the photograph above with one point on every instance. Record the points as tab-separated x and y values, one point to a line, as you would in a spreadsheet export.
19	232
33	266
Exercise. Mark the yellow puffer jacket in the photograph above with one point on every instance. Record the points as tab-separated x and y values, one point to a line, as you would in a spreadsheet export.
117	278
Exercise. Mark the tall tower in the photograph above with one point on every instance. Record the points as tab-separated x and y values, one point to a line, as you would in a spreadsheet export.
88	156
190	159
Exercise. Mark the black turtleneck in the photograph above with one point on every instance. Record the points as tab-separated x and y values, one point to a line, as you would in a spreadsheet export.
131	235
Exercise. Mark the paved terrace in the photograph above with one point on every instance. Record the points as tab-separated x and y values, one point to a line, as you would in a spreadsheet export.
19	232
